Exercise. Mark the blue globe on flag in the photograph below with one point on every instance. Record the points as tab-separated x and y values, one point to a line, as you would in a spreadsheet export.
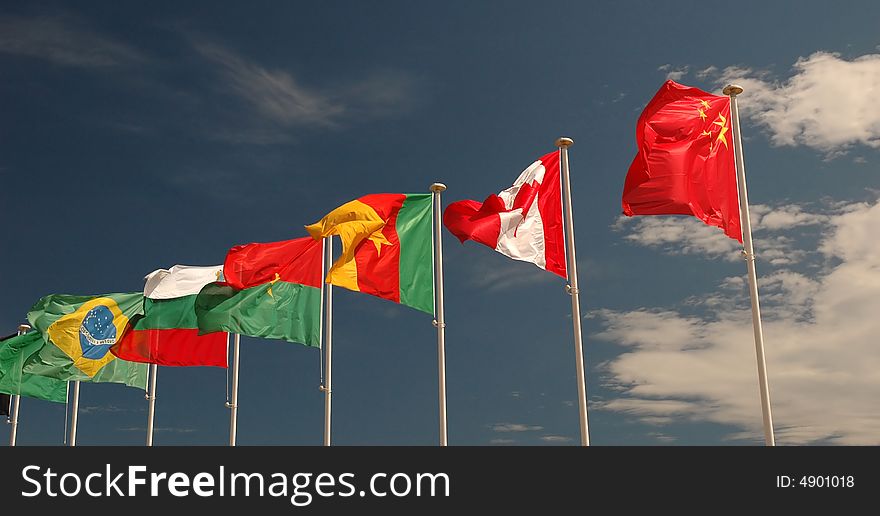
97	332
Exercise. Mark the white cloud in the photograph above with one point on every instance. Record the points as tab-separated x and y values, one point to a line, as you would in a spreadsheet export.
673	73
555	439
176	430
820	338
92	409
275	94
62	40
276	103
678	235
502	441
515	427
786	216
829	103
689	235
663	438
787	293
707	72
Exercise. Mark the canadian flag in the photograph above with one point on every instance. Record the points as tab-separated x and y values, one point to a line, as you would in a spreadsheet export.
523	222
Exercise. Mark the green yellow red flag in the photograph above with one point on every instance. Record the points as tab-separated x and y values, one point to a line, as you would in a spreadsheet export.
387	247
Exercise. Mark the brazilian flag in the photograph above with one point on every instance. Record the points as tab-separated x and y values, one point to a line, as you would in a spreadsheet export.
78	332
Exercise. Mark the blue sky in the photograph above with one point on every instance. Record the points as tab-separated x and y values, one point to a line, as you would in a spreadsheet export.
137	136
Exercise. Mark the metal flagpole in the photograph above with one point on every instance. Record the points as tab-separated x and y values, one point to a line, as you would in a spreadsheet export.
151	396
66	410
233	414
16	400
572	288
328	340
74	412
732	91
439	318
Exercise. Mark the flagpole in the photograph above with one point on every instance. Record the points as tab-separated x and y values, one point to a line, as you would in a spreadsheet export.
16	400
73	414
439	316
328	326
151	396
572	288
732	90
233	414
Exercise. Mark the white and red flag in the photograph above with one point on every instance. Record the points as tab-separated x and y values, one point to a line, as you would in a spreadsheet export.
523	222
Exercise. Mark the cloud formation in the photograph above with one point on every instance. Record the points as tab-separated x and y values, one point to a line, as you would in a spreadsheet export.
163	429
275	94
771	226
63	40
93	409
516	427
555	439
276	102
828	103
673	73
820	337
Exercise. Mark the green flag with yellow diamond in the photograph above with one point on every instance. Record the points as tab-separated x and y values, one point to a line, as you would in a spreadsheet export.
78	332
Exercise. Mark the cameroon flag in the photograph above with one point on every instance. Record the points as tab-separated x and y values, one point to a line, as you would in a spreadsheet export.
15	351
77	333
272	290
387	247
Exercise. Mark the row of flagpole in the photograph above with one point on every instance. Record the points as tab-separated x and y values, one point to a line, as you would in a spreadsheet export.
439	321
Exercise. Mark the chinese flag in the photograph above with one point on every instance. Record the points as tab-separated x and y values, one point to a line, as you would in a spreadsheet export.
685	163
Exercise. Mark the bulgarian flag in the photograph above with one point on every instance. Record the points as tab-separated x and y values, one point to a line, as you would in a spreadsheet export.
387	247
271	290
523	222
168	333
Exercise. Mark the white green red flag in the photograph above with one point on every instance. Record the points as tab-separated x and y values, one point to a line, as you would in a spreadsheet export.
168	333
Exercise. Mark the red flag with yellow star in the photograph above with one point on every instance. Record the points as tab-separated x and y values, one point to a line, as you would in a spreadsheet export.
272	290
685	164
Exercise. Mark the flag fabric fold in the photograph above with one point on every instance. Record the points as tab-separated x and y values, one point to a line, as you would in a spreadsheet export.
523	222
387	247
15	351
167	333
77	333
685	162
271	290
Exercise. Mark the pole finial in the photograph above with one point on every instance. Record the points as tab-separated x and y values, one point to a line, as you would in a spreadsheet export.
438	187
732	90
563	143
22	328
